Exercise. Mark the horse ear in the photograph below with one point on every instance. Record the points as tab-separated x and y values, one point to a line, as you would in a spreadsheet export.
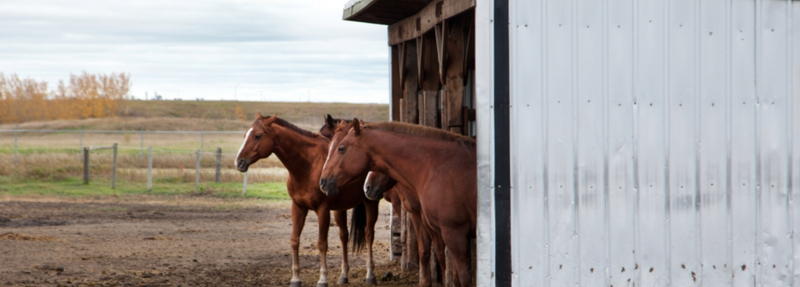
329	121
268	122
258	116
357	126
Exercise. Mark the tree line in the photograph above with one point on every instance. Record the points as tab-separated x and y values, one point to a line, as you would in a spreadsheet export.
85	96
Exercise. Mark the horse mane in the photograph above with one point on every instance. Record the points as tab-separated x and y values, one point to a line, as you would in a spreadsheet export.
291	126
419	130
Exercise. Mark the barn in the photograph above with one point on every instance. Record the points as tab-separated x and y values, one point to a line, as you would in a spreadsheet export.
620	143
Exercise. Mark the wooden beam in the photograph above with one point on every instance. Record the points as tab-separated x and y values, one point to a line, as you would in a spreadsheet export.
430	109
440	30
411	83
453	98
397	89
424	20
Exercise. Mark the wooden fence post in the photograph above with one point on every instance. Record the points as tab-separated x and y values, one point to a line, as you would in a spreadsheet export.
218	172
86	165
114	169
150	169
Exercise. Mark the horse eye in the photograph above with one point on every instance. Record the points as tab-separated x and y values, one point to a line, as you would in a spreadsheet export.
341	149
258	137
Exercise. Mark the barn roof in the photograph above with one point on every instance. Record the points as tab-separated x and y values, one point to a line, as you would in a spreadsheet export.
382	11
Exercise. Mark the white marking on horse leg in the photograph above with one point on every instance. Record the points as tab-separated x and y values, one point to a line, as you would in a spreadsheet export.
246	136
370	264
345	268
366	181
295	265
323	268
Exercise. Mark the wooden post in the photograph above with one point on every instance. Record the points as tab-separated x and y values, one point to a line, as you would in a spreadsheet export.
197	173
150	169
244	186
15	144
114	169
86	165
453	97
218	172
411	83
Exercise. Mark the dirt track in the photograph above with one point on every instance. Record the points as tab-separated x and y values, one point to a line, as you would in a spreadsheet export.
168	241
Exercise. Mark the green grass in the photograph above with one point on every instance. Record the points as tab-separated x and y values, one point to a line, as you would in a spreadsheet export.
74	187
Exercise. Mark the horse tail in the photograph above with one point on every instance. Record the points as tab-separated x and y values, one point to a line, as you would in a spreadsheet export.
358	226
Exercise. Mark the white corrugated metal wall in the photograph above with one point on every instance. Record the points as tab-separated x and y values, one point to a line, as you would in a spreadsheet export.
653	143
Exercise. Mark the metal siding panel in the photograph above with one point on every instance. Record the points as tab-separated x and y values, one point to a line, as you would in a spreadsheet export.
775	241
795	133
563	243
713	143
622	196
650	90
743	144
485	133
527	139
684	266
590	118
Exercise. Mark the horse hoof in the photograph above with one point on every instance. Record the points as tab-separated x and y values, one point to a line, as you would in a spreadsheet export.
372	281
296	284
322	284
342	281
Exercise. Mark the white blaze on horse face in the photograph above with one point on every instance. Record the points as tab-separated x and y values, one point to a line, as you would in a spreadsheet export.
366	181
330	152
246	136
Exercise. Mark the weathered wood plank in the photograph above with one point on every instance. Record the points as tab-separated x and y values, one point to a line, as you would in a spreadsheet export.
420	23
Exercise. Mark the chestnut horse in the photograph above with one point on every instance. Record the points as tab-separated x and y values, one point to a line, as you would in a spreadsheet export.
380	185
377	186
439	167
303	153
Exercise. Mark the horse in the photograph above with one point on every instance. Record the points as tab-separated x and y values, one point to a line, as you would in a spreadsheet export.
303	153
377	186
439	167
380	185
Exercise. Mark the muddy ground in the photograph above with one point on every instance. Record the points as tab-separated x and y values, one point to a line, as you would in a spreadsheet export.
168	241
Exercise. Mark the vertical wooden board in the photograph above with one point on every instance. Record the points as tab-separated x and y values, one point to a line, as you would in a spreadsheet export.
683	92
795	132
528	113
454	75
743	144
713	149
774	242
396	88
622	195
411	85
560	149
430	63
591	182
431	112
653	247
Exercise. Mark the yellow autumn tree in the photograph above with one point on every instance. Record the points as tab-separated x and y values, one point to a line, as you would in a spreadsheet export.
239	114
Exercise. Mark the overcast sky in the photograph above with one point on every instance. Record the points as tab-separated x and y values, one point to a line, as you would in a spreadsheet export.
275	50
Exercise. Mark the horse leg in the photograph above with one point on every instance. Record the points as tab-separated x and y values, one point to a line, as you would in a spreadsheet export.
458	244
372	218
298	220
340	216
424	246
324	220
438	247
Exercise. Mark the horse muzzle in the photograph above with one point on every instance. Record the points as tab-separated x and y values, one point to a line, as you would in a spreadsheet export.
328	186
242	165
373	193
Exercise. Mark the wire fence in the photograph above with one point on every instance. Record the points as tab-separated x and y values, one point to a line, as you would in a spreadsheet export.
174	154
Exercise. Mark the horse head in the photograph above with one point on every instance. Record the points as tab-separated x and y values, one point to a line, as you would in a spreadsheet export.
258	142
376	184
346	161
331	123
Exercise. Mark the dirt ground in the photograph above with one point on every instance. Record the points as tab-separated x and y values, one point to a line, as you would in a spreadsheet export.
169	241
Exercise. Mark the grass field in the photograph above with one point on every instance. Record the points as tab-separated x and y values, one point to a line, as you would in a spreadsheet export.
50	163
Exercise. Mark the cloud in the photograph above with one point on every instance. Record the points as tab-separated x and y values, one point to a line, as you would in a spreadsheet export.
251	50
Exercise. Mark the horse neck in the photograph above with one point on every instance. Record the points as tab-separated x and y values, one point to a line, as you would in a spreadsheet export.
297	152
401	157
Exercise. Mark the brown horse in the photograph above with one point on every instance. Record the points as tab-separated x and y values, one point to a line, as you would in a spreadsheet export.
439	167
303	153
377	186
380	185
